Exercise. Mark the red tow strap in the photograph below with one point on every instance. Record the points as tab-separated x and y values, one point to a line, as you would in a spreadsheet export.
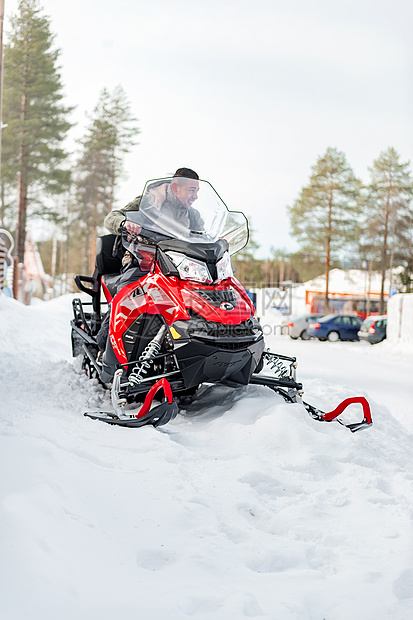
162	383
331	415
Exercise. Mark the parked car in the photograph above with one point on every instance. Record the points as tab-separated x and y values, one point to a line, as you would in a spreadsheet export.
335	327
373	329
297	327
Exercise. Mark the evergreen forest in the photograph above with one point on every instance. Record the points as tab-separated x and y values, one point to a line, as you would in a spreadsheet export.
337	220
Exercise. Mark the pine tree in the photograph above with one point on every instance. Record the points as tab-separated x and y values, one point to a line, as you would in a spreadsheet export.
324	216
109	136
278	269
124	133
306	266
247	268
406	276
388	213
33	111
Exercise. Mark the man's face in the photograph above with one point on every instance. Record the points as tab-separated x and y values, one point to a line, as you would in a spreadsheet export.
186	190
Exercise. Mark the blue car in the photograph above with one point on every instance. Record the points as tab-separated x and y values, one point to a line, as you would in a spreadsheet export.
373	329
335	327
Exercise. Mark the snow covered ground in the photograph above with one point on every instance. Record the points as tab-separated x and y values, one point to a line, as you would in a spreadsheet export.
242	507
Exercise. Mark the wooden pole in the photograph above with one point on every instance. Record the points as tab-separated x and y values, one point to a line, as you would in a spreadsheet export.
1	74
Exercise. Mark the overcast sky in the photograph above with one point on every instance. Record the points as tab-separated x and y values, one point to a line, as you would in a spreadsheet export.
249	94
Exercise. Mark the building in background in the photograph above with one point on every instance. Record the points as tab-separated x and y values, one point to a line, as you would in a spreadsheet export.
351	291
26	282
37	282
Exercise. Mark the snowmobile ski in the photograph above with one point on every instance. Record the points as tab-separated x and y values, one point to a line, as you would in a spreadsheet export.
156	416
367	421
292	391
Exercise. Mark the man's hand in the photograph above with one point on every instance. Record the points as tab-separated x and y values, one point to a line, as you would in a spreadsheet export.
132	228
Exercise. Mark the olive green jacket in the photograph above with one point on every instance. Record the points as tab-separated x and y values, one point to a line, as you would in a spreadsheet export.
115	218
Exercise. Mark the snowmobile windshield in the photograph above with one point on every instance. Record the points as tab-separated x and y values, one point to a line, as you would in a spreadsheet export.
189	210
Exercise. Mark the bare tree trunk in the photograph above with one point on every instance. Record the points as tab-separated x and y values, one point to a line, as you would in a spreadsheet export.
112	184
328	251
243	270
86	252
384	253
369	288
66	247
91	251
54	256
288	274
326	296
1	101
22	186
22	217
93	236
2	207
266	272
281	272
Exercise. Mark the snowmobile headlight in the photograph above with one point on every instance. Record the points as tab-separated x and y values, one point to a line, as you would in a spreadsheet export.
189	268
224	267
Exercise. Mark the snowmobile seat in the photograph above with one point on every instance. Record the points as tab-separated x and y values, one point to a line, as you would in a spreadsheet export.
108	255
108	262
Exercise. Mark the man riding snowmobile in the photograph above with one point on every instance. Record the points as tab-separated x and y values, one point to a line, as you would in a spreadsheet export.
186	320
175	199
117	217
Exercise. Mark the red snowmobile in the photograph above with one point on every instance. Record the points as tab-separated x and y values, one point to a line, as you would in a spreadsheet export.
177	316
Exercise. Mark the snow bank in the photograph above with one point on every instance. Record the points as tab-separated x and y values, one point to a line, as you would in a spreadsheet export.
400	321
242	507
